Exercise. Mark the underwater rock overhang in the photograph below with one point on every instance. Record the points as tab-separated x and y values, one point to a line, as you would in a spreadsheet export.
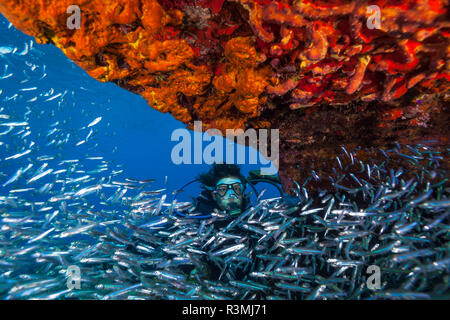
313	69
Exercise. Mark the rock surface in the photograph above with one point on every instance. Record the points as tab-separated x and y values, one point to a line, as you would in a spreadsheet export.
317	70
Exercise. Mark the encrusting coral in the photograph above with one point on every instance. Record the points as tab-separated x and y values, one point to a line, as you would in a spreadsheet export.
306	67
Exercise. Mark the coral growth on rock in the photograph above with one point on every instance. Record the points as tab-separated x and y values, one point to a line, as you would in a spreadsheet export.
315	69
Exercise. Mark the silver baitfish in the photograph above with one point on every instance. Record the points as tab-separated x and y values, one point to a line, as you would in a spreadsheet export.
103	235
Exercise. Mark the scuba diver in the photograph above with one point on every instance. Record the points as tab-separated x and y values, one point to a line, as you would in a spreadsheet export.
224	189
223	198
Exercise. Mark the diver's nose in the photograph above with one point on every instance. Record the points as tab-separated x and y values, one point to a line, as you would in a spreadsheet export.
231	194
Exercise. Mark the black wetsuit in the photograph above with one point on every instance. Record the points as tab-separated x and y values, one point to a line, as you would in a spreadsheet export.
205	203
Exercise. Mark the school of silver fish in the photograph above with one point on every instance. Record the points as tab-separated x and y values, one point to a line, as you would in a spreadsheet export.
130	243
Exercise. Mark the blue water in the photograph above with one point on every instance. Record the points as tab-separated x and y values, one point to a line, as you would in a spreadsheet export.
131	134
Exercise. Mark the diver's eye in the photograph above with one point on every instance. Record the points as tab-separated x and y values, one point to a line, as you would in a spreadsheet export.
237	188
222	189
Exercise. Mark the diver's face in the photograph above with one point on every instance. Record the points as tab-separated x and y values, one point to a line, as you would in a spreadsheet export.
229	194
